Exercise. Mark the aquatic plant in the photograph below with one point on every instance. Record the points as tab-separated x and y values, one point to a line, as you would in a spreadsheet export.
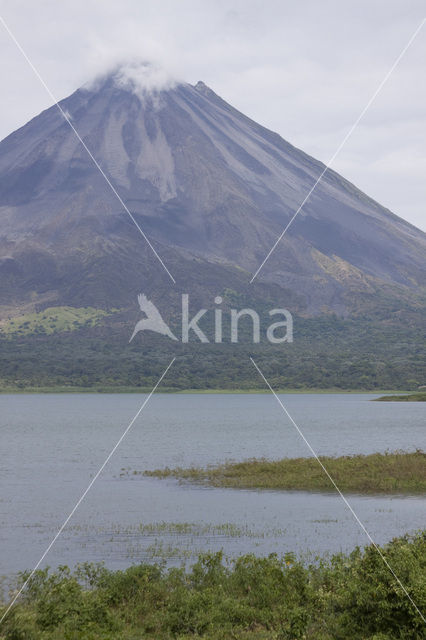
398	472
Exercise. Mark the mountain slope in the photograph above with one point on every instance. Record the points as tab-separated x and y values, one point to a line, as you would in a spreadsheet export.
205	183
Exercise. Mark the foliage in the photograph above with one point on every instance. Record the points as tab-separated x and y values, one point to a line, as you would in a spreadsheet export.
53	320
352	597
327	353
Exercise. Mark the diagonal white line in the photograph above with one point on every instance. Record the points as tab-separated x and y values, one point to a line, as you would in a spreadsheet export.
342	144
95	162
339	492
86	491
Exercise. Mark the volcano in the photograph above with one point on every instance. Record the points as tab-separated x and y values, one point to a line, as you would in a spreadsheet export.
210	188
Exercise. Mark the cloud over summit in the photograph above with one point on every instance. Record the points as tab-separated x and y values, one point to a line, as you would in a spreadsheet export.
143	77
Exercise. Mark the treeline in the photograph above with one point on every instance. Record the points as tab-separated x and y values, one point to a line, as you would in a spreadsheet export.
327	352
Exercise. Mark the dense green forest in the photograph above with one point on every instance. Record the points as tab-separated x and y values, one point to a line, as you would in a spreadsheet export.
327	353
352	597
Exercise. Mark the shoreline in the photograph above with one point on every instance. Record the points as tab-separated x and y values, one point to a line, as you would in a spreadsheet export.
168	390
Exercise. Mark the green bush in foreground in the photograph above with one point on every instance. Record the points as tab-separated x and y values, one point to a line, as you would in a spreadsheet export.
347	597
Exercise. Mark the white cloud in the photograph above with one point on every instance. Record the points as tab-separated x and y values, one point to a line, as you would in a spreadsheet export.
143	78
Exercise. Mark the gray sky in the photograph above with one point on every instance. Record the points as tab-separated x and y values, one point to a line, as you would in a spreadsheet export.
304	68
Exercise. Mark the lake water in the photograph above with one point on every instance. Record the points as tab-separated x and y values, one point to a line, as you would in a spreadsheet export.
52	445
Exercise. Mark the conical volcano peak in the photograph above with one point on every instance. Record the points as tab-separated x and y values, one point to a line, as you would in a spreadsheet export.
201	179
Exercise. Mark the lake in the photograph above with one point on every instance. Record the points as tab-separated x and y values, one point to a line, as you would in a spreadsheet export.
52	445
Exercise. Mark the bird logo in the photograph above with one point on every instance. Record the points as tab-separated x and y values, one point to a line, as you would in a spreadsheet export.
153	320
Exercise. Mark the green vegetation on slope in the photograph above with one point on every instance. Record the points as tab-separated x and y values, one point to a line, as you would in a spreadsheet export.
53	320
327	353
410	397
376	473
352	597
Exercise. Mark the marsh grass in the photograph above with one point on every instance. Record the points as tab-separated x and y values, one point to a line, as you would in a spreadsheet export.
164	541
193	529
406	397
398	472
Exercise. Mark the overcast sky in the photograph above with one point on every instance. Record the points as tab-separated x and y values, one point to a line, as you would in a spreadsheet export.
303	68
